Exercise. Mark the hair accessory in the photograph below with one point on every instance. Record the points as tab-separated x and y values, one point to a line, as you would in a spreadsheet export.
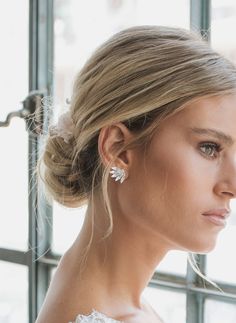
64	127
118	174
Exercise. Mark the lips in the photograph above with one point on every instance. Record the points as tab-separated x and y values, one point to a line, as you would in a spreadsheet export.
219	212
217	216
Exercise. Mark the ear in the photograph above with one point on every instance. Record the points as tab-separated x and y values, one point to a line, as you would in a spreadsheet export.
110	139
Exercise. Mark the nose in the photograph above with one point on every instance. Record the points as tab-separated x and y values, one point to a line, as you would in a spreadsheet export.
225	185
226	189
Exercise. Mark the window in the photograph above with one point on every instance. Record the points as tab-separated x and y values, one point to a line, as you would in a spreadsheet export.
59	30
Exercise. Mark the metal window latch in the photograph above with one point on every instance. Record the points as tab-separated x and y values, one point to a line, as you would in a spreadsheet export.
32	112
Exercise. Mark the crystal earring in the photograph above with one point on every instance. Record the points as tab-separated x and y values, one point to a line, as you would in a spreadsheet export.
118	174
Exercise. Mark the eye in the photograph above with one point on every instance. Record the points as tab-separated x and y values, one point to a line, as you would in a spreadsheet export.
211	149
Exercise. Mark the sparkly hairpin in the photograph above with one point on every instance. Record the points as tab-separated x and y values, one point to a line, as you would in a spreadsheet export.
64	127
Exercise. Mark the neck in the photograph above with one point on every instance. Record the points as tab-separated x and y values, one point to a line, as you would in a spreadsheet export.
124	263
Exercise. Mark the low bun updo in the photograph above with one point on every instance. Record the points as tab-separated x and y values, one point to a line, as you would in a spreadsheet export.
67	180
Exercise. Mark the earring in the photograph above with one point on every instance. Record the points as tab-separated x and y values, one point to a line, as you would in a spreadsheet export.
118	174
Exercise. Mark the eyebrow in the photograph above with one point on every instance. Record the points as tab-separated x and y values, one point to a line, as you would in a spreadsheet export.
215	133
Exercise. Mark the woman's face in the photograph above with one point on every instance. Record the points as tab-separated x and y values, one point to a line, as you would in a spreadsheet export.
189	169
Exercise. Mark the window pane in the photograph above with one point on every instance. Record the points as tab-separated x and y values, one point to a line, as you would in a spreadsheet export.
218	312
66	226
13	140
223	22
221	261
171	306
13	293
52	273
14	20
14	185
174	262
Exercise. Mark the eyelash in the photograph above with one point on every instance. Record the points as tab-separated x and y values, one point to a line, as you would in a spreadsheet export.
213	145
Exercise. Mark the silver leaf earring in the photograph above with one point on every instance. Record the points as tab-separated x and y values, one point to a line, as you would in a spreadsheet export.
118	174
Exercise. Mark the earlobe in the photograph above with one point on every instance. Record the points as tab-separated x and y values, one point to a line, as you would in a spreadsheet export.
110	140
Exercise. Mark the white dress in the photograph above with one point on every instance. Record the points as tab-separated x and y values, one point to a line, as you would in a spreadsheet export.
94	317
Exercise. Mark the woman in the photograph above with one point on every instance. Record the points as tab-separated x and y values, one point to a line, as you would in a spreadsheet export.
148	144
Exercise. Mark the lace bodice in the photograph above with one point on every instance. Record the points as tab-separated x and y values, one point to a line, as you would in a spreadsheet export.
94	317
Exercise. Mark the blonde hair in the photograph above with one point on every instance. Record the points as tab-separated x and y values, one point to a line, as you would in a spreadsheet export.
140	76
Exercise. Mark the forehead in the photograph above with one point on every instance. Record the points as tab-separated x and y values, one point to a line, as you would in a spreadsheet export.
211	111
216	113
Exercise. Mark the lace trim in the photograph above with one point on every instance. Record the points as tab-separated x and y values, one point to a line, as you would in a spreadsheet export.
94	317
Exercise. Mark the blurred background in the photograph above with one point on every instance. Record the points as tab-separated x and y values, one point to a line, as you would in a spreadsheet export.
43	45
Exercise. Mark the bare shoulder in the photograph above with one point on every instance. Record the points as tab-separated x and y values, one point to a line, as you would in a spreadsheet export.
141	318
61	303
147	315
67	296
153	314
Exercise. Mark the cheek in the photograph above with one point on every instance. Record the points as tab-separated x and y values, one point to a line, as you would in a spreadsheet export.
181	188
184	191
175	174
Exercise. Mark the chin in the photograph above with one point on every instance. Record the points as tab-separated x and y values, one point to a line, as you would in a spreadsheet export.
204	249
200	247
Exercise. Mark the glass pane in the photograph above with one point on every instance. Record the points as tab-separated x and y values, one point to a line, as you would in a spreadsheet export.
52	273
72	18
218	312
13	293
174	262
14	35
66	226
13	140
223	22
171	306
221	264
14	185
